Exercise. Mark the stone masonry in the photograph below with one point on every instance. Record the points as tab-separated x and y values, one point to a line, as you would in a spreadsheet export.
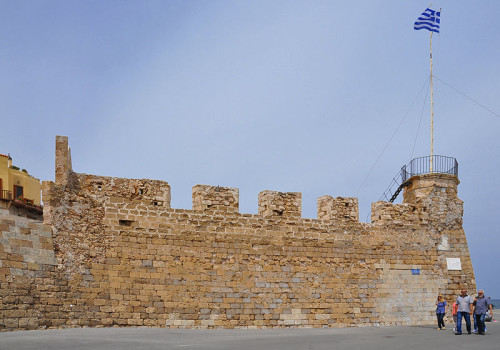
112	252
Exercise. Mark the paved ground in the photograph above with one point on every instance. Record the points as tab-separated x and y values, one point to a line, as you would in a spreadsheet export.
386	338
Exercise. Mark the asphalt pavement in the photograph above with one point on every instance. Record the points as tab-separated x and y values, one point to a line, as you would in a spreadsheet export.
383	338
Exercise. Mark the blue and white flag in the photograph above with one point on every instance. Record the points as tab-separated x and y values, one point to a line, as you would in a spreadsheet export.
429	19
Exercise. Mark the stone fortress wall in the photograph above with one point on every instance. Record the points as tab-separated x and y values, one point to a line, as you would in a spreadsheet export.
112	252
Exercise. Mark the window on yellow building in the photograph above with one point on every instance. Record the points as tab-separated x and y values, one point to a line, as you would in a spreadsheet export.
18	191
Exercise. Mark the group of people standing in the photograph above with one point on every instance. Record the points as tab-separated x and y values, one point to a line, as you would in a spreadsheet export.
464	307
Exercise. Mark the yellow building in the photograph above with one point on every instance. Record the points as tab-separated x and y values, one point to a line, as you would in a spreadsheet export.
17	184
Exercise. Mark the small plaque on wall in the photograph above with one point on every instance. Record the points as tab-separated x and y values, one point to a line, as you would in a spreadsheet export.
454	264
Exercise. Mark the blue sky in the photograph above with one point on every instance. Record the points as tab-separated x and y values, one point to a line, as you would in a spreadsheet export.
299	96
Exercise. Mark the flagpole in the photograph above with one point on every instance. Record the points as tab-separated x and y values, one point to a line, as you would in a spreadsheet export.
430	20
432	108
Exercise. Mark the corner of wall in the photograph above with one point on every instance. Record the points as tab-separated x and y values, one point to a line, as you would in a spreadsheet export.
436	195
47	195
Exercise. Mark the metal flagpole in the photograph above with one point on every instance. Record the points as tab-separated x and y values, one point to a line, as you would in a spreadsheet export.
432	108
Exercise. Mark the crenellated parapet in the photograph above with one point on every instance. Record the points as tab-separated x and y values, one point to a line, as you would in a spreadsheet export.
280	204
206	198
91	192
145	191
339	209
101	188
385	213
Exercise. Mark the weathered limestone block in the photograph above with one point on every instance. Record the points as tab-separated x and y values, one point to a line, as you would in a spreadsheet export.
284	204
207	197
340	208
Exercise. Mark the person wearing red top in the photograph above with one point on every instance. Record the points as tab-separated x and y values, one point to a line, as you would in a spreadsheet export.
454	313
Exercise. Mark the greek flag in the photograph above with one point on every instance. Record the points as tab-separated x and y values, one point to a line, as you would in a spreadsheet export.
429	19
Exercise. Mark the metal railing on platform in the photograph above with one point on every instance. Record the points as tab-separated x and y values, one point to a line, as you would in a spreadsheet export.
5	194
422	166
419	166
